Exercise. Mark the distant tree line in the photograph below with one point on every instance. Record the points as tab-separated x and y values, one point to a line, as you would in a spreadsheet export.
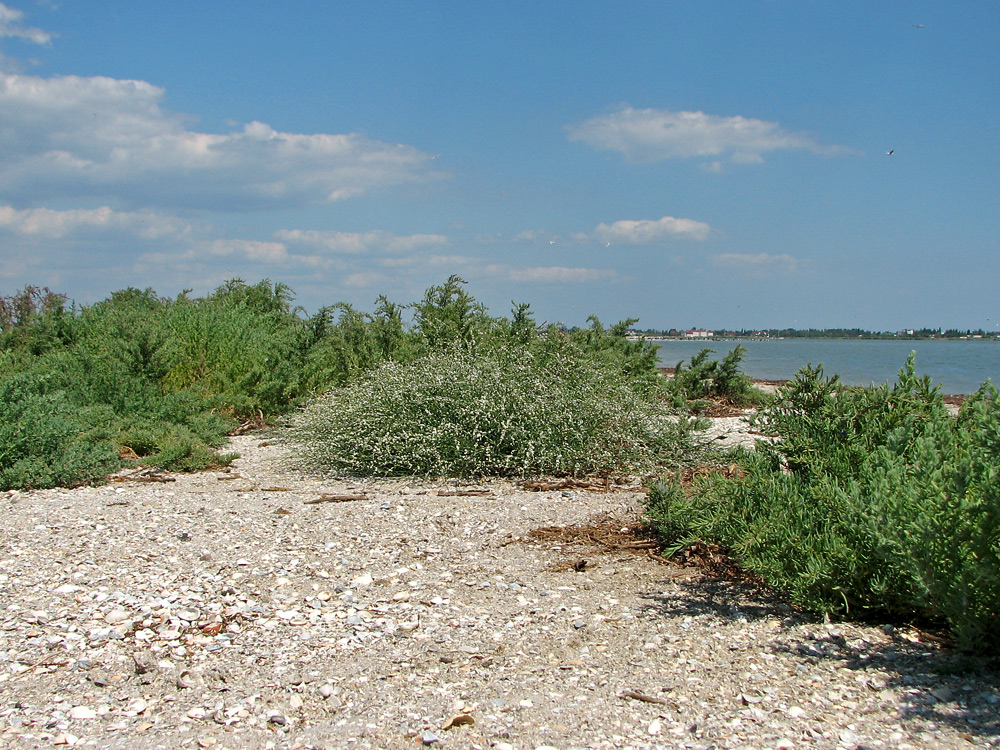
830	333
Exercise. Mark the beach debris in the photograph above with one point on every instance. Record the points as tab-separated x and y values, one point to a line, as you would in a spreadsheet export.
638	696
331	498
594	485
458	720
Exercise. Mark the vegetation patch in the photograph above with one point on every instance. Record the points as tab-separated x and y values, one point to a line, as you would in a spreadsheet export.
871	501
489	411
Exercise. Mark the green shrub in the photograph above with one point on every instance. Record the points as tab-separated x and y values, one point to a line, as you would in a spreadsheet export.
241	349
718	380
41	442
497	412
168	378
872	500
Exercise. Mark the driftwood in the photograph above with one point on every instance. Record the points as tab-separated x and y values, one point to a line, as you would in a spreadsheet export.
142	476
594	485
327	498
463	493
635	695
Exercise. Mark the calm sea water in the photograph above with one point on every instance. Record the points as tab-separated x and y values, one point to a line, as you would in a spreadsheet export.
959	366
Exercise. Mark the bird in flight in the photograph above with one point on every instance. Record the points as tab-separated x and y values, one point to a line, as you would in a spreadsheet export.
919	26
889	152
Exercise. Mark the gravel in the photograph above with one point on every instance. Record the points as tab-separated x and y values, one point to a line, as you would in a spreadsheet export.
262	608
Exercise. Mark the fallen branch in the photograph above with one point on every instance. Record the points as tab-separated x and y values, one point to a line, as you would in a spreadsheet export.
325	498
635	695
142	477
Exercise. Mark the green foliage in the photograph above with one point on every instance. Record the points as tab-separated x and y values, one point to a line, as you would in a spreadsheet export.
718	380
448	314
240	348
871	500
40	438
34	321
488	412
166	379
636	359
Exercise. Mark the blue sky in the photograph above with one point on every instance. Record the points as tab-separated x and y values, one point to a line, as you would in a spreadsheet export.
691	163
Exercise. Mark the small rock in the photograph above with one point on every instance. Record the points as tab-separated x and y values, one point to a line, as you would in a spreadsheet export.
943	694
65	738
655	726
429	738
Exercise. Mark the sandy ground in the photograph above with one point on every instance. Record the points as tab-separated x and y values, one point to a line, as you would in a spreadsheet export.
260	607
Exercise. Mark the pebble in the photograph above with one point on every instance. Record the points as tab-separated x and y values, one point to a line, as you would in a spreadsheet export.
340	626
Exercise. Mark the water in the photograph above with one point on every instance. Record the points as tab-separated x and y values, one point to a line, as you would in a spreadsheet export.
958	366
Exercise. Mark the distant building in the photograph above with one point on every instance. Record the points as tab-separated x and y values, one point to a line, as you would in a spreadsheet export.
698	333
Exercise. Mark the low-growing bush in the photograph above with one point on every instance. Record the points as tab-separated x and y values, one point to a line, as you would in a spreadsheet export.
870	501
492	412
705	379
41	442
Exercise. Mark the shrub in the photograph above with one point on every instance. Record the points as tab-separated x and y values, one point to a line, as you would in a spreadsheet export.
495	412
718	380
872	500
41	442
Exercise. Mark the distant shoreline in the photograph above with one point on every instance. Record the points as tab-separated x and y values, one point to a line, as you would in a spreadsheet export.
872	337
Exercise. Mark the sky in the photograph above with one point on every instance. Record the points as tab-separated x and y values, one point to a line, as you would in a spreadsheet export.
690	163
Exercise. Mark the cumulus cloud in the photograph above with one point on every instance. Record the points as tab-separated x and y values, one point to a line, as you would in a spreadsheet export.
357	243
646	231
70	136
757	261
10	26
651	135
51	224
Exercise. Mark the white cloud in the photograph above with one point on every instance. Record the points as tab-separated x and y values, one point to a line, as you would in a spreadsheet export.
548	275
356	243
651	135
758	261
267	252
69	136
10	26
473	268
51	224
646	231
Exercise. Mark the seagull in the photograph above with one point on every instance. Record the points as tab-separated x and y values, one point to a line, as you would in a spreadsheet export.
919	26
552	242
889	152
